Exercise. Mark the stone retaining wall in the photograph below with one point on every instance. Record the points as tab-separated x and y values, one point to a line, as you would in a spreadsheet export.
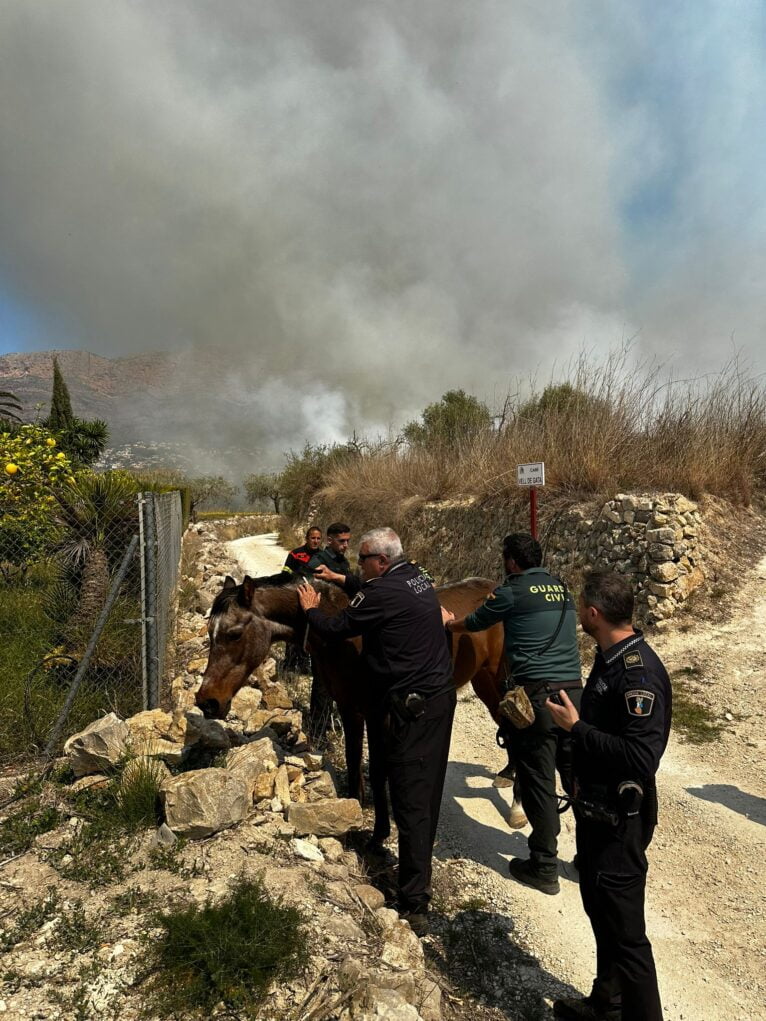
653	538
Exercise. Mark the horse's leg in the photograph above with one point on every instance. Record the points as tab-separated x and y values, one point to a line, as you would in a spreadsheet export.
487	686
375	743
353	734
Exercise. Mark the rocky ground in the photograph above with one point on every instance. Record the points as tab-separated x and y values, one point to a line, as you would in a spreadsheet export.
72	949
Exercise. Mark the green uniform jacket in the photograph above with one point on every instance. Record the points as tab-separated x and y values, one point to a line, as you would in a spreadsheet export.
529	606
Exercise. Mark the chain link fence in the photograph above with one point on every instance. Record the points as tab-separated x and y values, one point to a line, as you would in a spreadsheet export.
86	622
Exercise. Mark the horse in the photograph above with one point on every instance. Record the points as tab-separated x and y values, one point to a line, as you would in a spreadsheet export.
246	619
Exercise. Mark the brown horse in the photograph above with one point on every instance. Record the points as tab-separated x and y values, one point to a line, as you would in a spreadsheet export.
245	619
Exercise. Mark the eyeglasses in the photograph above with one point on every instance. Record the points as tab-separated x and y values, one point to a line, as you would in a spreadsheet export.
366	556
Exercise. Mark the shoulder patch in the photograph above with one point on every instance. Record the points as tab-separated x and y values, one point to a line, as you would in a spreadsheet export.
303	557
632	659
640	703
358	598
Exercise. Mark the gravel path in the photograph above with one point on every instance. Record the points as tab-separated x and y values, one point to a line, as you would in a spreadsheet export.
258	555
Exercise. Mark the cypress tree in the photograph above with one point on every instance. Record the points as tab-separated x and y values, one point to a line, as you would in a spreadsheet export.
61	418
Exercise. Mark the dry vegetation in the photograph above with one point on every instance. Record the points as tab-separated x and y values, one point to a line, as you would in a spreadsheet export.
606	429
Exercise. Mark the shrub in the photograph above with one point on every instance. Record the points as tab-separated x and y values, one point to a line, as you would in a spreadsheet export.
231	951
457	417
32	471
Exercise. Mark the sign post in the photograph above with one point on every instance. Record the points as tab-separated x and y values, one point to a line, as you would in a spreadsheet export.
531	475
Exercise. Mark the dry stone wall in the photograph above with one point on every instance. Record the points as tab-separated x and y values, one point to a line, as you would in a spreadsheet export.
655	539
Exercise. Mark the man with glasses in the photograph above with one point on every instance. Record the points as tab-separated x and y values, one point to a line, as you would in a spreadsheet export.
409	669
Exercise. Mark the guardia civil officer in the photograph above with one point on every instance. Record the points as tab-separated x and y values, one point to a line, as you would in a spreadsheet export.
409	667
619	736
540	623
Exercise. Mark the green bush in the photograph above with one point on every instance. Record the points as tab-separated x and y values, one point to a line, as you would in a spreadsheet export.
231	951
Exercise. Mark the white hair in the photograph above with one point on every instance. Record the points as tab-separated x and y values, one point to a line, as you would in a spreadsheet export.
383	540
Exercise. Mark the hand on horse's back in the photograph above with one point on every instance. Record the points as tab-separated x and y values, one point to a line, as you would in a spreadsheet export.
308	597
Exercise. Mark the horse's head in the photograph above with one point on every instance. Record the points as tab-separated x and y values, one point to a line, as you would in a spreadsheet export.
240	639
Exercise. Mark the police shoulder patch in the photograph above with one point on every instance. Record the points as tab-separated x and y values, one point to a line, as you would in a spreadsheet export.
639	702
632	659
358	598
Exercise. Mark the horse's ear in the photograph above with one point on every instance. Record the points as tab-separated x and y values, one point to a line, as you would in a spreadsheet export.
229	582
248	588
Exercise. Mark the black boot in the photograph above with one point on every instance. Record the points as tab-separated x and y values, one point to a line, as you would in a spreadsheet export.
585	1008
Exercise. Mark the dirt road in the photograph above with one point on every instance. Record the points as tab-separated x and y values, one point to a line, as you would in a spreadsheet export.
705	903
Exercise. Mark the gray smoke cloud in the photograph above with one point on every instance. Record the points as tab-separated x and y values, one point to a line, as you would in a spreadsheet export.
358	205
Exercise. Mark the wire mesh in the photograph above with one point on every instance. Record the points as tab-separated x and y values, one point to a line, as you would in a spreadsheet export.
53	596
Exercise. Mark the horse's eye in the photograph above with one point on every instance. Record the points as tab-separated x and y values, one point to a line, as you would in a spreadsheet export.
234	634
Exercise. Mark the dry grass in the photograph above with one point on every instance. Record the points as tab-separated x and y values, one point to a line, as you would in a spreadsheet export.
606	429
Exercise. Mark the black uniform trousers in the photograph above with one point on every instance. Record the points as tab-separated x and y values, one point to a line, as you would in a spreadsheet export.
540	750
417	751
612	866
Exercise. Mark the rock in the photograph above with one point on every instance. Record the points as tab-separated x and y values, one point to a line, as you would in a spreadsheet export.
197	666
209	733
282	789
370	896
665	572
86	782
312	760
253	759
663	535
687	583
245	702
102	744
266	670
684	506
305	850
326	818
275	697
402	948
263	786
660	551
386	918
205	801
321	787
429	1000
332	849
388	1005
164	836
153	725
344	927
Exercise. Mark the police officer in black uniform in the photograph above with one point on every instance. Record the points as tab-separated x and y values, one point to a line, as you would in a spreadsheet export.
408	664
619	737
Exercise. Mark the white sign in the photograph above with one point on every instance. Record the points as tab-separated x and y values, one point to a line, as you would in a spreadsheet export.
531	474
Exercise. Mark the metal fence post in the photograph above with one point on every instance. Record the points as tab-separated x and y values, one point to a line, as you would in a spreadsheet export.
150	604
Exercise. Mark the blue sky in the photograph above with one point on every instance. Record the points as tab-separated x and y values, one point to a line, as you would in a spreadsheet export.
440	195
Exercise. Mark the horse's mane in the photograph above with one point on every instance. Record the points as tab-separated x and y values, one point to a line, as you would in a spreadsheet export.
285	579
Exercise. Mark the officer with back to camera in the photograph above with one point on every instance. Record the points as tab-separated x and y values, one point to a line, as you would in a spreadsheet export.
619	736
540	625
409	668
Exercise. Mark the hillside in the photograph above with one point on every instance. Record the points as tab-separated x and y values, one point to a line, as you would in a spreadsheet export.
164	409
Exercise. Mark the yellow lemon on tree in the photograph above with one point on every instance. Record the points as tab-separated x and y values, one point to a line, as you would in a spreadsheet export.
11	468
50	442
